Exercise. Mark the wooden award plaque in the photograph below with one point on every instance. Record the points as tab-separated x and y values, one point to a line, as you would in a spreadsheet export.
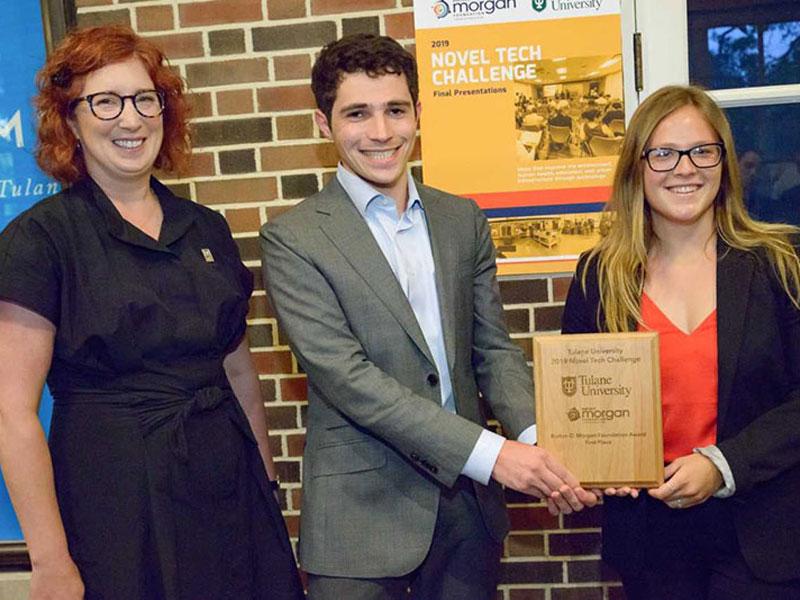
598	406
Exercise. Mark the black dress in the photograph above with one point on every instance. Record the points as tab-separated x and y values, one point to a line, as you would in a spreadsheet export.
161	488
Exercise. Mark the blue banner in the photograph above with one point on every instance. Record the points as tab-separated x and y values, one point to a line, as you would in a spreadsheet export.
22	184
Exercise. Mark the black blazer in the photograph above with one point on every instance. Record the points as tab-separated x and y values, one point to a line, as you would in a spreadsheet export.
758	413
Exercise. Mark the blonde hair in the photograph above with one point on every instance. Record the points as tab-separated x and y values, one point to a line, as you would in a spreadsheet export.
622	255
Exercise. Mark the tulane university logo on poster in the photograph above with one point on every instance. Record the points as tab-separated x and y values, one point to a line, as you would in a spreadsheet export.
539	5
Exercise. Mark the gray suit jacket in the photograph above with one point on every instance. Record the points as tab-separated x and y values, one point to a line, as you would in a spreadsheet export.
379	445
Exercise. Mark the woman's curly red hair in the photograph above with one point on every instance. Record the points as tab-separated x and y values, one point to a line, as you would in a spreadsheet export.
60	81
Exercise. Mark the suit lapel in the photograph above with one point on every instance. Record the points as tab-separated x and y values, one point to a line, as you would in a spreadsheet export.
734	275
445	260
348	231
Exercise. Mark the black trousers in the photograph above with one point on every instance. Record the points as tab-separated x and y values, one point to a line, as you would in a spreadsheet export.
690	554
463	561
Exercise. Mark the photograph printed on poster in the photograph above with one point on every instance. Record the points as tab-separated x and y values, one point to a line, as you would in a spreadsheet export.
548	237
572	109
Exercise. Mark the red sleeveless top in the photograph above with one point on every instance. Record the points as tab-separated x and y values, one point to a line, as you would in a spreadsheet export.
688	381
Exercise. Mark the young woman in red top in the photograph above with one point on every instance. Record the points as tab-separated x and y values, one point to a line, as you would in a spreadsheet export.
685	259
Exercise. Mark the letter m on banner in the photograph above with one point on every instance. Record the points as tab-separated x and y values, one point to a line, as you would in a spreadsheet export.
14	124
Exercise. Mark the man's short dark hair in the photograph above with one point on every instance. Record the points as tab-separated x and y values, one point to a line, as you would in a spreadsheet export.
374	55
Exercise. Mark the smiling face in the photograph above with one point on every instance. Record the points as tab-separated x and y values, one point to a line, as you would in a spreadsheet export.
373	126
684	195
123	149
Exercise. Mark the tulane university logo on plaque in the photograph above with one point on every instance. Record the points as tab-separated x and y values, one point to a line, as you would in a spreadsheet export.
569	385
539	5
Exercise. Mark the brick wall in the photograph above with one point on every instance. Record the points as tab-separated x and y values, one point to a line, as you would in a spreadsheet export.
257	153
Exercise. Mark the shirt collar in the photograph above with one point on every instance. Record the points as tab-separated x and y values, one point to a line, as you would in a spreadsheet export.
178	215
362	193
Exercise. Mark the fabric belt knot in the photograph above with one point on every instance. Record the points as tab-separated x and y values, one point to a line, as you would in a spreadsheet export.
205	399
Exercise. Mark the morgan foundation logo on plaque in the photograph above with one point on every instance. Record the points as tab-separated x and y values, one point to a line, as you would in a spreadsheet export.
598	406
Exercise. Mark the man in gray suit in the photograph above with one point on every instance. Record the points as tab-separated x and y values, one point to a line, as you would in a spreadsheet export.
387	291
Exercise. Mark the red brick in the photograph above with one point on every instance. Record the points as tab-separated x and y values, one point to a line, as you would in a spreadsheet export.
327	7
259	308
294	127
292	524
216	12
579	593
281	417
154	18
400	26
243	220
235	102
274	211
293	66
531	518
294	389
286	9
297	497
104	17
295	444
225	72
560	288
273	361
574	543
202	165
288	470
255	189
82	3
201	104
525	545
179	45
275	445
305	156
287	97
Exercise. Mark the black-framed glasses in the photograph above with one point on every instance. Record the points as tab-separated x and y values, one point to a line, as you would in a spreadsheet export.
703	156
109	105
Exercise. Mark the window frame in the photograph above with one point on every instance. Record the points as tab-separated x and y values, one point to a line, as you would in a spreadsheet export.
666	25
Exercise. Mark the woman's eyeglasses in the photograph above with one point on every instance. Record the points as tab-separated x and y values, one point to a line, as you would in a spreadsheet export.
109	105
704	156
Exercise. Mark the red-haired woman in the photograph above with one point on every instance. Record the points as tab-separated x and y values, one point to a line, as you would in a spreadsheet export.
131	302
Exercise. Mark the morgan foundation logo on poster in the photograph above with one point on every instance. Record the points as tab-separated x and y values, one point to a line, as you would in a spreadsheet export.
470	8
441	9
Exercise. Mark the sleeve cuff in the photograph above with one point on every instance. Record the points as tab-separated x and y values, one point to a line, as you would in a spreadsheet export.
714	454
480	464
528	436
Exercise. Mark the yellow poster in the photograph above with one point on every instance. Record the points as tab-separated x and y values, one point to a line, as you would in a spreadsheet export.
522	110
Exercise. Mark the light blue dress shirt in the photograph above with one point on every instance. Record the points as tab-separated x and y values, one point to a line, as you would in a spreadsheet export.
405	242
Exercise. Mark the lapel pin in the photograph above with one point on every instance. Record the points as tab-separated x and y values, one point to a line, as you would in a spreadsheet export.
207	255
